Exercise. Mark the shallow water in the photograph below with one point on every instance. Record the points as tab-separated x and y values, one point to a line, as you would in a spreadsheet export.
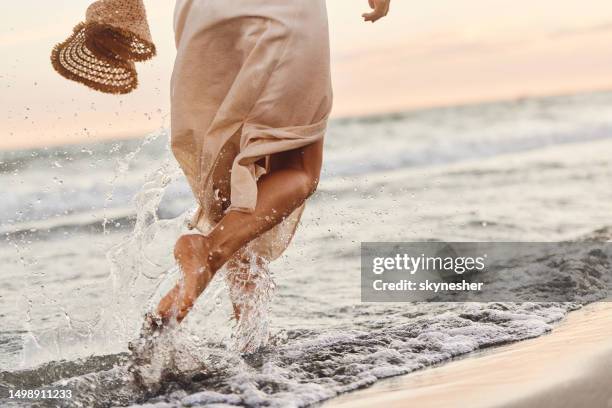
88	233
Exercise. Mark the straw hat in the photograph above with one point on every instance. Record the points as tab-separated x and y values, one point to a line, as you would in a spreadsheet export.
101	51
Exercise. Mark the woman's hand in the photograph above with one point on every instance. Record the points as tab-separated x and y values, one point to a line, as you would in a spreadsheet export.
380	8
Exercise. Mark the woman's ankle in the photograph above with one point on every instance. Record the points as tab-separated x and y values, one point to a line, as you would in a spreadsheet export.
219	250
218	255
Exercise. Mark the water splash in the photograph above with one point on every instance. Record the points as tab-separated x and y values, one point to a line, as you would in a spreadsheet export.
123	166
251	290
143	270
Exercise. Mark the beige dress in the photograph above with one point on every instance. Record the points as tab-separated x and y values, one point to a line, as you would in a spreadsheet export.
251	79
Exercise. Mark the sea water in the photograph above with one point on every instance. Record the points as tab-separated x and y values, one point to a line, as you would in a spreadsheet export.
88	230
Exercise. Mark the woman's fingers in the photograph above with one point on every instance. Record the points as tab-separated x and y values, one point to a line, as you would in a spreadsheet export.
380	9
373	15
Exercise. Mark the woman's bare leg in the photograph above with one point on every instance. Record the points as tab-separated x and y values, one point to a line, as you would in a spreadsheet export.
293	178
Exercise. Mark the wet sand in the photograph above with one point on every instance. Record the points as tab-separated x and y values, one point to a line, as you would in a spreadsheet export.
571	367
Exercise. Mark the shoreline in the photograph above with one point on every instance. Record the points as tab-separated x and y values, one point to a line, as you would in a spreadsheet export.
569	367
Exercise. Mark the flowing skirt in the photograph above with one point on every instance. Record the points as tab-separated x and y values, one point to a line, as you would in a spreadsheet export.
251	79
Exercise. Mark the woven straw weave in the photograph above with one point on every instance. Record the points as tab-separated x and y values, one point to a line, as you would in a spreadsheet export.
101	51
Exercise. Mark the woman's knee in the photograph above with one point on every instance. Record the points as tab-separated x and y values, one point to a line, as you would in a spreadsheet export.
308	183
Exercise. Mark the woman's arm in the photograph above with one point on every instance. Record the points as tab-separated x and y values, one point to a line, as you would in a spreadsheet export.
380	8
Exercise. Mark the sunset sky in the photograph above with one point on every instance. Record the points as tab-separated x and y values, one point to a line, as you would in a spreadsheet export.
425	53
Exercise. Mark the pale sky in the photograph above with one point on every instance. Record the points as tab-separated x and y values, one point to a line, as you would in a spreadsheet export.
425	53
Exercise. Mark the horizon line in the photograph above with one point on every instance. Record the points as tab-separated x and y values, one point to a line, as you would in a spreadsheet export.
339	119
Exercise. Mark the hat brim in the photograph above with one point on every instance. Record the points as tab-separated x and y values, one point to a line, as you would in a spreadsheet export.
77	60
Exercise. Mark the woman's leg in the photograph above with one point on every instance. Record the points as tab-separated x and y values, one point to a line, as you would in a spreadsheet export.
293	178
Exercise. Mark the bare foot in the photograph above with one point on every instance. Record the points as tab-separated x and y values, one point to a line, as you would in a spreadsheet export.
192	253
